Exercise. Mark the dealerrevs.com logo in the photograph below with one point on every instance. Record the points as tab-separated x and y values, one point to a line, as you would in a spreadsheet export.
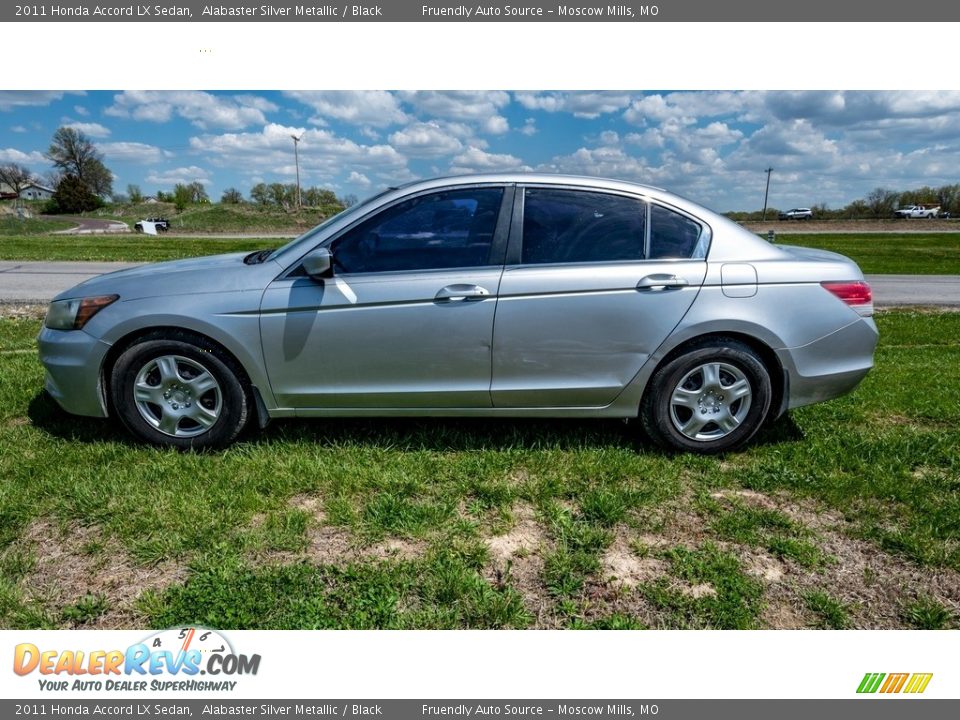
179	659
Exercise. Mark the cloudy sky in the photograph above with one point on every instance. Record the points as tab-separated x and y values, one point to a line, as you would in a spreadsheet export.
713	147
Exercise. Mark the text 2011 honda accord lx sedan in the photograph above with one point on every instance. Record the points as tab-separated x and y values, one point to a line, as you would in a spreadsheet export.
487	295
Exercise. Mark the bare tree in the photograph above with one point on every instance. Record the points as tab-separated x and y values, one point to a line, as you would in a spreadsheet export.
17	177
74	153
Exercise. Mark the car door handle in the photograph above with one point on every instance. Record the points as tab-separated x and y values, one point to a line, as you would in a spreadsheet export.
660	281
460	292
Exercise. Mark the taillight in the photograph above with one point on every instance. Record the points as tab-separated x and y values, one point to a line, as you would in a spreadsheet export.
855	294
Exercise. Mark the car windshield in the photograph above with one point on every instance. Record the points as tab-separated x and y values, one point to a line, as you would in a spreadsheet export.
319	228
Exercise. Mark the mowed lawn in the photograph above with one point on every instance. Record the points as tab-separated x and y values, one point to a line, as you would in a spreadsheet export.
889	252
842	515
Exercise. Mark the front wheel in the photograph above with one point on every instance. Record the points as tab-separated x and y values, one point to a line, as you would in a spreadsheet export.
180	391
712	398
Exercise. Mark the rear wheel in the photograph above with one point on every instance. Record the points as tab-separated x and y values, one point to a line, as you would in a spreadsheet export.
183	391
712	398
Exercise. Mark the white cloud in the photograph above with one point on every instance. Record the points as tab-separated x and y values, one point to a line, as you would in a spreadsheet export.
372	108
133	152
426	140
12	155
10	99
529	127
81	110
94	130
203	109
589	105
475	106
360	179
18	129
184	175
474	159
323	154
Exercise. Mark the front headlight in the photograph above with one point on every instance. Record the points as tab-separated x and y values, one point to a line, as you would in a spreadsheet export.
75	313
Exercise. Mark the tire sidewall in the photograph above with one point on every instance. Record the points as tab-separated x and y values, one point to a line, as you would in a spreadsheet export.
234	399
656	410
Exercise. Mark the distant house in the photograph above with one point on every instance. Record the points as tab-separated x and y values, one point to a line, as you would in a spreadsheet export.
32	191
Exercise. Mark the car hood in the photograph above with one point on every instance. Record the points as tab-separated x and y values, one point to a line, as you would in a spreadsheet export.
215	273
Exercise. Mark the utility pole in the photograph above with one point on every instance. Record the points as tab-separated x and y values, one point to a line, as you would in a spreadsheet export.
766	193
296	155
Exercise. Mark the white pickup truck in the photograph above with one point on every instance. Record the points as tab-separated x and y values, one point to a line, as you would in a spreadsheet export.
918	211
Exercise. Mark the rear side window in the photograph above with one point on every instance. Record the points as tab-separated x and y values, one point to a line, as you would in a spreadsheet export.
574	226
450	229
672	235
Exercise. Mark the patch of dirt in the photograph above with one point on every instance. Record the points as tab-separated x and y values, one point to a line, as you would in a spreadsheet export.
516	558
622	567
18	421
19	310
311	504
698	591
765	567
396	549
782	615
63	573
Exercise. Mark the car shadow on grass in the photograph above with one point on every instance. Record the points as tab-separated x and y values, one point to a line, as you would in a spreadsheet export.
429	433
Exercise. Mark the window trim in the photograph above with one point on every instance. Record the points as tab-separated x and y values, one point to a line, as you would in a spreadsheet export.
498	245
515	243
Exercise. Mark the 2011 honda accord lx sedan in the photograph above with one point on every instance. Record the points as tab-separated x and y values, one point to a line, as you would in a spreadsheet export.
487	295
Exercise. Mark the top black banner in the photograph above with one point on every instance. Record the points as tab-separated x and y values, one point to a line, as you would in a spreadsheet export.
529	11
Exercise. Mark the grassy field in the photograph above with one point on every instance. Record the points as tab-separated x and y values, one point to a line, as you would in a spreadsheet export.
935	253
11	226
883	253
219	218
132	248
845	514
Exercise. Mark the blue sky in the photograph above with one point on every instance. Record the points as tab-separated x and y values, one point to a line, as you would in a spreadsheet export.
712	146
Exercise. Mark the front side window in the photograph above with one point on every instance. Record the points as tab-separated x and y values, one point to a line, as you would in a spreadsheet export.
450	229
575	226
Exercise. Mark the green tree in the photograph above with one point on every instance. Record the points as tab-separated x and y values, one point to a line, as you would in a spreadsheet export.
74	153
198	193
882	202
134	193
182	196
73	196
232	196
260	194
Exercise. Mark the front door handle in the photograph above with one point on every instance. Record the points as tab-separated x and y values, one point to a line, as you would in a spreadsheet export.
460	293
660	281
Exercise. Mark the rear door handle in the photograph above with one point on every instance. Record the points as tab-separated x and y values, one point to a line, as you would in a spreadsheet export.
660	281
460	293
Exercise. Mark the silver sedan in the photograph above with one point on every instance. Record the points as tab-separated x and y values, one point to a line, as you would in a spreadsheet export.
488	295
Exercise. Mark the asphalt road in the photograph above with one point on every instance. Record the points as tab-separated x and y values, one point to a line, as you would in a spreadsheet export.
22	281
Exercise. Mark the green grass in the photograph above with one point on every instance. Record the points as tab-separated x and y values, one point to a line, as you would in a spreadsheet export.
889	252
131	248
830	612
11	226
218	218
293	527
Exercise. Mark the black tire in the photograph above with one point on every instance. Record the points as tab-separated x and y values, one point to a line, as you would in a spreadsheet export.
659	415
231	398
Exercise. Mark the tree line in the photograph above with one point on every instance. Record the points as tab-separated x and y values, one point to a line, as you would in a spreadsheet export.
81	182
879	203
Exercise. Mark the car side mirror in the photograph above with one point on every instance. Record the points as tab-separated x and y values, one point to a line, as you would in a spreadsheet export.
319	263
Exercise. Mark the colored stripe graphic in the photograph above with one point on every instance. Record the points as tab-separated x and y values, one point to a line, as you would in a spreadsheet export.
894	683
918	682
870	682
